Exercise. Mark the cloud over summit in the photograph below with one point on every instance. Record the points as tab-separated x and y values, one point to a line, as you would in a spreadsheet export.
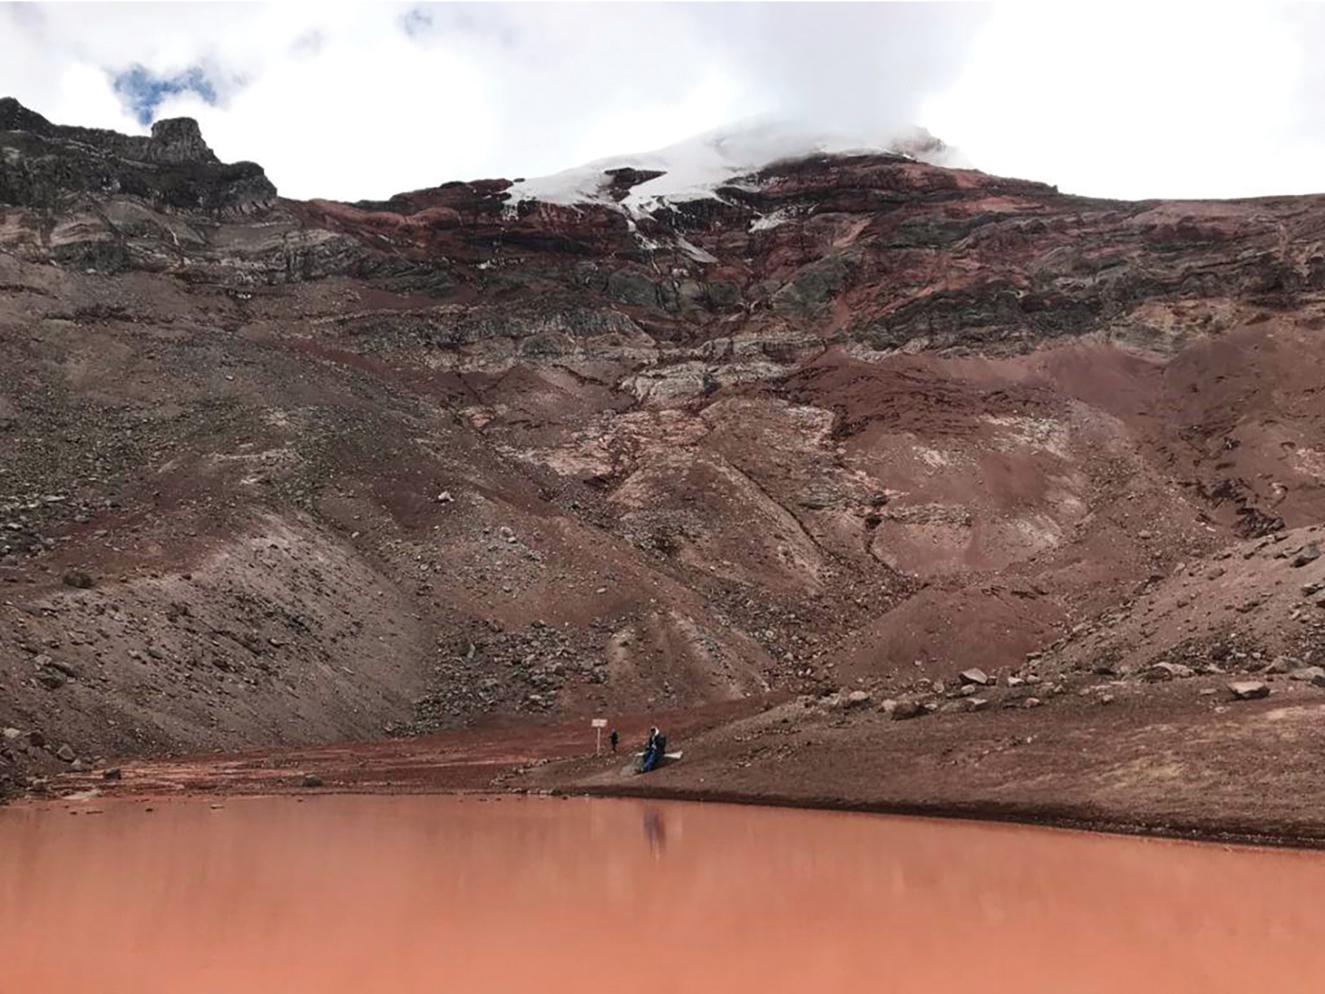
361	101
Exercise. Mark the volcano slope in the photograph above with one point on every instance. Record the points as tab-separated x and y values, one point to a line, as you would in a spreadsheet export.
281	472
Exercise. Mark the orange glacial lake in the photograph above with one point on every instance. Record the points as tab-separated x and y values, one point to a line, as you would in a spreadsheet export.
446	894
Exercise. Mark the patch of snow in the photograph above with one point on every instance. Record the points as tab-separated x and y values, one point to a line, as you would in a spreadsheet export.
767	221
693	169
932	457
694	251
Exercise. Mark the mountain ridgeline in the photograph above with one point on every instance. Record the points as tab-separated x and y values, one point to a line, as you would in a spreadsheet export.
283	471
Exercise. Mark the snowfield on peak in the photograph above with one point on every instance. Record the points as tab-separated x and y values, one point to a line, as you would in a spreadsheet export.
693	169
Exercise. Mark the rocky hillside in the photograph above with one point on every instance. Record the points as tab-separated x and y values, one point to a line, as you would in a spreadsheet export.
280	471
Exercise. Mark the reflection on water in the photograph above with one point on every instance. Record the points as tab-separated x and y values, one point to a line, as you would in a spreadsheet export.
434	894
654	830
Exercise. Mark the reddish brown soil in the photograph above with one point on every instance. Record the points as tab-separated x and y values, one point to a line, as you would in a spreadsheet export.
1165	762
1154	759
277	475
480	759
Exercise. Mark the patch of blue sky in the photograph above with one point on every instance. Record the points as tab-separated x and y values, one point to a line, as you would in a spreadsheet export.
143	91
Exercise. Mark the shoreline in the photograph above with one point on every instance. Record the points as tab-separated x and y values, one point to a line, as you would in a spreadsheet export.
1060	817
1037	817
1158	761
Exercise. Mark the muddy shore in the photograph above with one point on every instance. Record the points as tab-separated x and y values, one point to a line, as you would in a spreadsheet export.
1155	760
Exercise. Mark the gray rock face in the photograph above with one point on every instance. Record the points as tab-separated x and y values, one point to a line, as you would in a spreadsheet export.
179	140
632	288
44	165
809	291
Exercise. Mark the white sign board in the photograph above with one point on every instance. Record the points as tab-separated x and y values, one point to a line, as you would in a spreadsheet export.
599	723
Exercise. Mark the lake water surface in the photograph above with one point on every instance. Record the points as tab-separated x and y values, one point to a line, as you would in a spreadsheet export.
443	894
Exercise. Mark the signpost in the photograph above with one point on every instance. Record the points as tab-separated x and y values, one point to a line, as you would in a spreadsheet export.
598	725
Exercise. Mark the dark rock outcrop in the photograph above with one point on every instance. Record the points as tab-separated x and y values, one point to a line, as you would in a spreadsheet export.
42	165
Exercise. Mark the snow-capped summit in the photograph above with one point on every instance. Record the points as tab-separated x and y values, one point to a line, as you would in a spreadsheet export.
694	168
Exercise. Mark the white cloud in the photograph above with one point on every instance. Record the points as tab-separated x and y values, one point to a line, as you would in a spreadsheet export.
1137	102
340	100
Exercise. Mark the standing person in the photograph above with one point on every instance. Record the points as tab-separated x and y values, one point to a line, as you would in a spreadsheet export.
614	739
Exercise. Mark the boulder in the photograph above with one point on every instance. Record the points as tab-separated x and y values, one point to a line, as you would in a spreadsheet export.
1282	664
66	753
977	703
908	709
1031	702
1307	673
111	773
51	678
1318	681
78	579
857	699
1309	553
1016	681
975	676
311	780
1249	690
36	739
72	672
1167	671
10	734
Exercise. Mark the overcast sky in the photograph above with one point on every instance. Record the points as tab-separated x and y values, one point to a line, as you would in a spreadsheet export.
366	100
